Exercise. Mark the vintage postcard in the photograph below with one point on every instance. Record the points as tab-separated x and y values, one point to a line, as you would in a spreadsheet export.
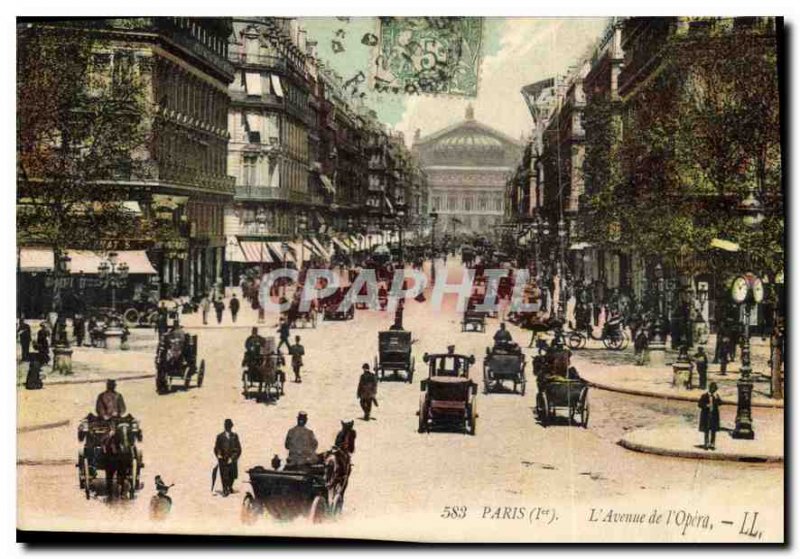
418	279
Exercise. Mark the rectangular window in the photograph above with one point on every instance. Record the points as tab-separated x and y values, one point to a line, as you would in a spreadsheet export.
250	163
253	83
276	85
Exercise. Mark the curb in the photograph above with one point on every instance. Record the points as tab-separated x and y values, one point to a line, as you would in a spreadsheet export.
696	455
43	426
47	462
678	397
95	380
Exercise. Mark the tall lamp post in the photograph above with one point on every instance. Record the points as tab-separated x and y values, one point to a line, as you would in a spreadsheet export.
400	217
113	274
656	348
562	269
434	221
62	354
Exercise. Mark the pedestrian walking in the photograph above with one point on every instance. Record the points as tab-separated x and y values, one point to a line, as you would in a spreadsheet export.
367	390
79	329
43	343
724	353
701	365
297	351
283	332
709	404
227	449
205	306
234	307
219	308
24	333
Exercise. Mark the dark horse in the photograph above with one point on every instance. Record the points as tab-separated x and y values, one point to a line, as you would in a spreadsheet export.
121	458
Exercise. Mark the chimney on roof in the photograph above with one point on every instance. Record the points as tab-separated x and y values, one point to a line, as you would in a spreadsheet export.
470	113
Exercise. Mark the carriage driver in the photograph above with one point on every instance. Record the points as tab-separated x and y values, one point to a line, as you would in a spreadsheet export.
110	404
301	444
253	345
502	338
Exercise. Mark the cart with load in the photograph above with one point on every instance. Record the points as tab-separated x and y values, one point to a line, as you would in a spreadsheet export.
110	445
559	387
394	354
448	396
176	361
504	363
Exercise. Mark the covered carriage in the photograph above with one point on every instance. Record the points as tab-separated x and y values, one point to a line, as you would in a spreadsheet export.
110	445
176	361
474	320
448	396
394	354
504	363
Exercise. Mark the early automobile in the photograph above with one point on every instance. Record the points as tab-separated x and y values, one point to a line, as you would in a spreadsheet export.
262	377
504	363
176	358
448	396
559	387
315	492
394	355
110	445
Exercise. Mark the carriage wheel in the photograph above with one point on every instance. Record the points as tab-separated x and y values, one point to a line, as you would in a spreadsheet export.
522	388
423	418
613	341
318	510
131	317
152	318
202	373
543	409
250	510
624	341
584	407
187	378
575	340
473	417
134	480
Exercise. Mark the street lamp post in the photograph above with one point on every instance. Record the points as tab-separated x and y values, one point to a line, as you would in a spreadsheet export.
656	348
113	274
562	269
434	220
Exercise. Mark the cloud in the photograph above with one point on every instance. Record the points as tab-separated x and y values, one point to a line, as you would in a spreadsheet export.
531	49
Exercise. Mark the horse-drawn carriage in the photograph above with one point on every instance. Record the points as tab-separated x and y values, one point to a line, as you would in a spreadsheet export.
394	354
303	317
110	445
176	358
559	387
503	363
473	320
262	377
448	397
331	305
315	492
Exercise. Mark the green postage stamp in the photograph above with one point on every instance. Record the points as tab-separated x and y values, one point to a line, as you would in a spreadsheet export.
439	55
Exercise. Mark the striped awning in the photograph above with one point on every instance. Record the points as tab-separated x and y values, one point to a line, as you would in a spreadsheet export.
233	251
88	261
324	252
342	246
256	251
278	253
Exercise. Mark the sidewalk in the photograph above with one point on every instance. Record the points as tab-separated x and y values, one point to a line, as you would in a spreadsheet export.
656	382
685	441
91	365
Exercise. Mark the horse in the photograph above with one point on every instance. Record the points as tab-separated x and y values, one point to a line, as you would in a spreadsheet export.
120	457
264	370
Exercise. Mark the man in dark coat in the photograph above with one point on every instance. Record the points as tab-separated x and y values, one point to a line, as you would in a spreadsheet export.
367	390
283	332
701	365
228	449
297	351
79	329
24	332
43	343
219	308
502	338
234	306
110	404
709	404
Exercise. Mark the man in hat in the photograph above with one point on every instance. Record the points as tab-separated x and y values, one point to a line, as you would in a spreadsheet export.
110	404
219	308
43	343
709	404
367	390
234	307
283	332
301	444
24	332
228	449
701	365
297	351
79	329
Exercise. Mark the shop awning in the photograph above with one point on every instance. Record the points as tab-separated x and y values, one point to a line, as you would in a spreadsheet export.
233	251
256	251
324	252
277	250
299	251
88	261
343	247
35	259
311	247
133	207
327	184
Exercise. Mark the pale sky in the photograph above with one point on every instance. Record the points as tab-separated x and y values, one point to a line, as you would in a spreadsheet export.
516	52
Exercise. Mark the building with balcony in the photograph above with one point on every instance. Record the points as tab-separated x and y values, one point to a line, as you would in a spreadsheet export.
178	180
466	165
